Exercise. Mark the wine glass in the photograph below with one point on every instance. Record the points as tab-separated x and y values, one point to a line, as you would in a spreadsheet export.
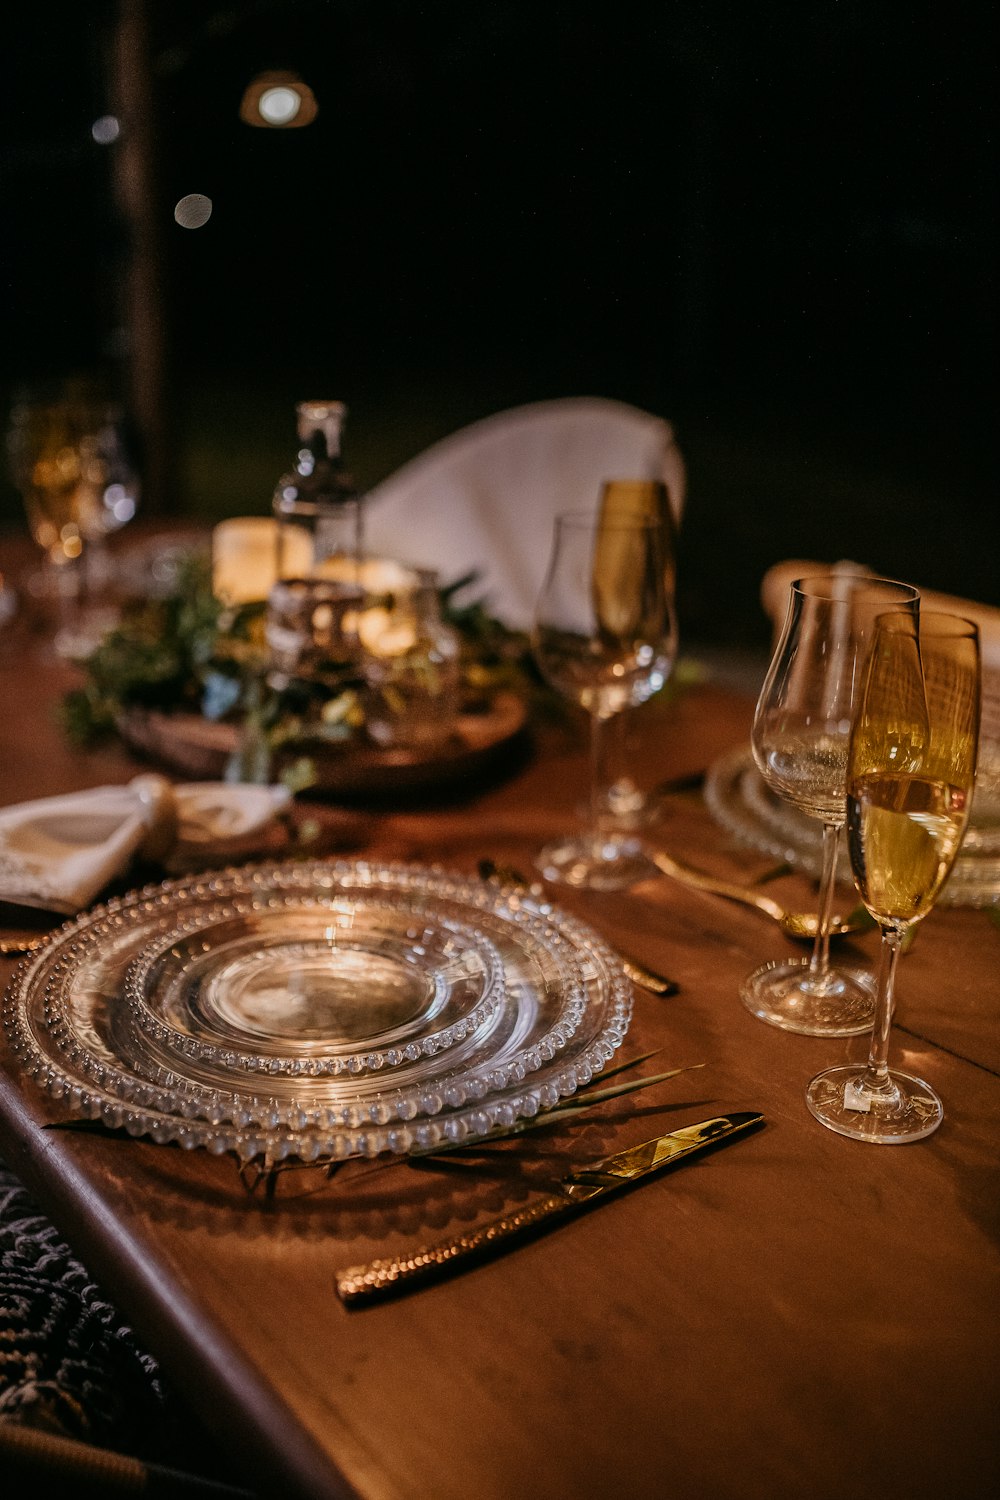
113	488
799	738
67	459
603	636
910	778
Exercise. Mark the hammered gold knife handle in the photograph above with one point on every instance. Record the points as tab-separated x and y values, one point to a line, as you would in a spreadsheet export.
357	1283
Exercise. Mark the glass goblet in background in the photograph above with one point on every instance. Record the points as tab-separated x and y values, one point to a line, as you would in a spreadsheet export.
108	472
603	636
44	465
800	736
910	778
67	459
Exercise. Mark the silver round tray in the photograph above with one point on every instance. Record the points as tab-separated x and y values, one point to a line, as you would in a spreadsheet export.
111	1016
742	803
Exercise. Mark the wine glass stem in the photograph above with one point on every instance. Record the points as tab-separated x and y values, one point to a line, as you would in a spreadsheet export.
819	962
68	577
877	1073
599	756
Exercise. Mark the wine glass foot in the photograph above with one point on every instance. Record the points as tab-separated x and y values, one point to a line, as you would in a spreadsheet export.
612	863
907	1109
783	994
80	637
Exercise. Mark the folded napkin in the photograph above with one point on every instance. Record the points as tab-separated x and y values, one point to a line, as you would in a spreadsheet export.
484	499
59	852
774	597
779	579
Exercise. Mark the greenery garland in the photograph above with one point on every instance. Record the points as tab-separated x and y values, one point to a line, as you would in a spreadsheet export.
189	652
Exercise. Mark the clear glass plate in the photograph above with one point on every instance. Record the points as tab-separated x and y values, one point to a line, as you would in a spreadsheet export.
564	1008
742	803
351	986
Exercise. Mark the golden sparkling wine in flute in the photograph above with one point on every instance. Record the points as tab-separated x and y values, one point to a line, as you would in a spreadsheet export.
910	779
622	591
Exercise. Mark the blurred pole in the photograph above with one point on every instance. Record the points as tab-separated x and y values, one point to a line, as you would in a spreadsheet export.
144	292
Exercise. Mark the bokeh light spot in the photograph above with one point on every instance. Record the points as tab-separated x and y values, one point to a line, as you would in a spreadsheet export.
106	130
193	211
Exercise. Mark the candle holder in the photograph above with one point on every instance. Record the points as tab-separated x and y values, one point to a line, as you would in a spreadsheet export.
410	662
312	632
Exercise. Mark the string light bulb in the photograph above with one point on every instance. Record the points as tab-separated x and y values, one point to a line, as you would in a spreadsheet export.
279	101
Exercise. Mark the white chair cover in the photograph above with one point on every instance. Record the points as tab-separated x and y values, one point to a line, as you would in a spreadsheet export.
486	497
774	596
778	580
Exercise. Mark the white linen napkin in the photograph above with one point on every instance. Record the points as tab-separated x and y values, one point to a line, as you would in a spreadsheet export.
59	852
774	596
778	580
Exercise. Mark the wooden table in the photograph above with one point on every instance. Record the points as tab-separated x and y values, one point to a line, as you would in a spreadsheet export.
796	1315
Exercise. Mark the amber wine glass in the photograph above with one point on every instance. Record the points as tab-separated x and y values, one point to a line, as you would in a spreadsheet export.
603	636
910	778
799	738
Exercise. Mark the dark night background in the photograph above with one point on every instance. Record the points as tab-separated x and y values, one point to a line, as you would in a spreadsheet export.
772	223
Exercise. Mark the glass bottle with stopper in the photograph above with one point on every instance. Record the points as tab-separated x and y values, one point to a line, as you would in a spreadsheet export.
316	505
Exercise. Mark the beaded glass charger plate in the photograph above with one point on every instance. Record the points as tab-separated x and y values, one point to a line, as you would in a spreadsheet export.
742	803
327	1009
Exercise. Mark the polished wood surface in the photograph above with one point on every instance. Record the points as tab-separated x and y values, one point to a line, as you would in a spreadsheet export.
797	1314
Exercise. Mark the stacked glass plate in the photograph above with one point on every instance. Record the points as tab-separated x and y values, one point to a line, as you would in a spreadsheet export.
318	1010
740	800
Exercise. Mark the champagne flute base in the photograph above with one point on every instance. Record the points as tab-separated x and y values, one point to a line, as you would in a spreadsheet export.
906	1109
784	994
610	863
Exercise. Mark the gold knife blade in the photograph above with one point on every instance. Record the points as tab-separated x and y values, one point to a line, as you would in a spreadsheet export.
659	984
578	1189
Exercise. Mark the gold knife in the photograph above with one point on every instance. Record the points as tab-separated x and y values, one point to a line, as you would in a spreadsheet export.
578	1189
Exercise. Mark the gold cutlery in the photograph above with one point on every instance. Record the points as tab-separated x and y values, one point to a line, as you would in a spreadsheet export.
578	1189
25	926
649	979
658	984
12	946
795	924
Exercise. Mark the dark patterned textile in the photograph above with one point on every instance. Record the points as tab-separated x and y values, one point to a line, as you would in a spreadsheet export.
68	1363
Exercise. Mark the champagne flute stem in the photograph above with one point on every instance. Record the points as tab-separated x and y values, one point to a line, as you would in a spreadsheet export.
819	962
876	1079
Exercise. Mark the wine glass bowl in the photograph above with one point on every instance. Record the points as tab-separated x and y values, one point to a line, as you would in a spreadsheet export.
603	637
800	742
911	777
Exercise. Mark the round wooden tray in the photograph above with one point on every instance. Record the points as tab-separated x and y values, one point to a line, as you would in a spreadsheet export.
201	748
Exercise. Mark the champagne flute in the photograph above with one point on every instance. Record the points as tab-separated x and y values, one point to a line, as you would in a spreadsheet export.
910	778
799	738
603	636
626	801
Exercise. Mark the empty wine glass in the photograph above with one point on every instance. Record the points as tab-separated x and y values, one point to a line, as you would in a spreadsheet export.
603	636
799	738
910	779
